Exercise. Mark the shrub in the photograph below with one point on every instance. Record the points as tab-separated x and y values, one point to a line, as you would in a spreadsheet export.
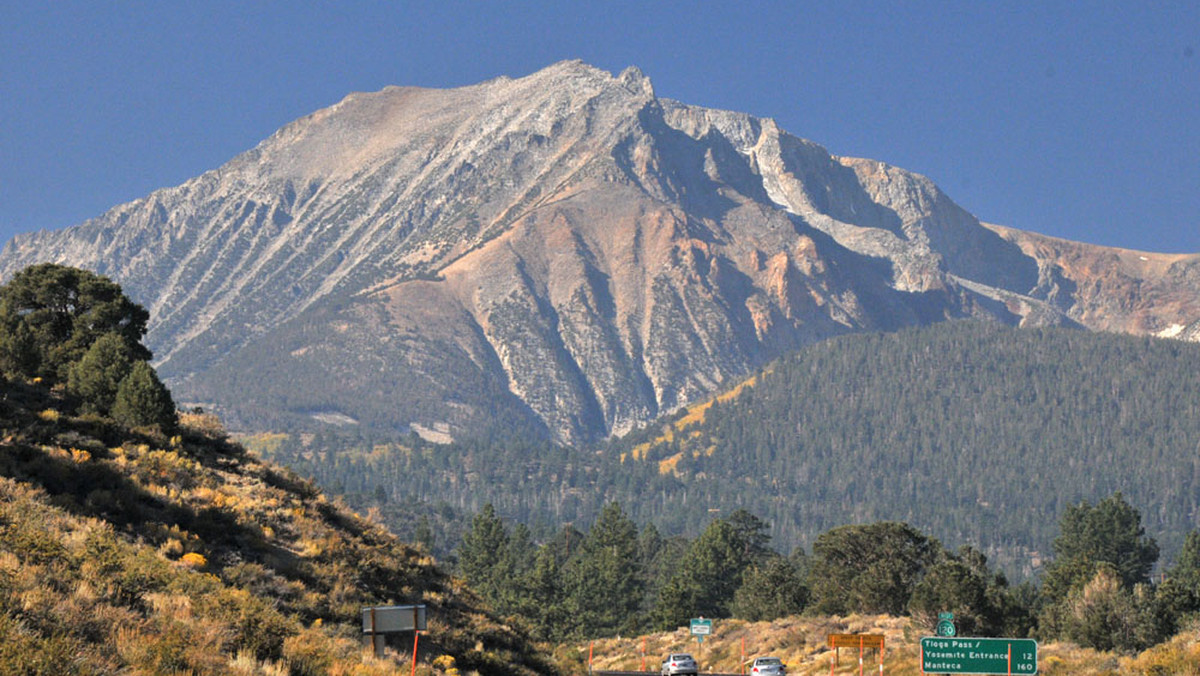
309	653
193	560
1102	615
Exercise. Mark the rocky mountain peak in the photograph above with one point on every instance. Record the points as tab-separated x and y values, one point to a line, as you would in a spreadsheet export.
635	81
562	250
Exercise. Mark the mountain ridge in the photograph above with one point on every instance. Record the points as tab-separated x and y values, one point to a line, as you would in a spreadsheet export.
565	251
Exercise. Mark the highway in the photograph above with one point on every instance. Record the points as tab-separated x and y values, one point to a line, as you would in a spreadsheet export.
651	673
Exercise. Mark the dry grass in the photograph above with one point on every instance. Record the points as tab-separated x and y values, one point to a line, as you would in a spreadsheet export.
801	642
137	553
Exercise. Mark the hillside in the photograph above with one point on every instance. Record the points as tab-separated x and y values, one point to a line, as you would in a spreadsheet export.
974	433
566	253
125	551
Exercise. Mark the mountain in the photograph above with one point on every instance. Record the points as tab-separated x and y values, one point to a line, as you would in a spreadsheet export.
126	551
564	253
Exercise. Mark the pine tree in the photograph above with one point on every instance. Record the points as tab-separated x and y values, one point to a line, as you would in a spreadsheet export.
18	350
546	601
1108	533
481	553
1097	589
424	534
142	400
96	377
1101	614
871	568
952	585
752	531
65	310
707	577
603	583
771	590
1180	592
512	570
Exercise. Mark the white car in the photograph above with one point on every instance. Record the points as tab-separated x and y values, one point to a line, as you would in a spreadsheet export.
679	663
768	666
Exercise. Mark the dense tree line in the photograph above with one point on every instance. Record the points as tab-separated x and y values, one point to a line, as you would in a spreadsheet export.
617	579
613	579
975	433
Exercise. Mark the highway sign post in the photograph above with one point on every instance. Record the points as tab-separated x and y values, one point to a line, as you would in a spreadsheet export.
978	656
379	621
701	628
945	625
860	641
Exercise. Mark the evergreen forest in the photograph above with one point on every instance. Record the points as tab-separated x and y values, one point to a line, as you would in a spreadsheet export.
975	433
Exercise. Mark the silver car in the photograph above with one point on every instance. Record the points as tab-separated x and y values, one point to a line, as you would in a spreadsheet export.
768	666
679	663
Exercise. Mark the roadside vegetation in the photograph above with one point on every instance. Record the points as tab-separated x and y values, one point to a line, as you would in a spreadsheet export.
1097	592
802	643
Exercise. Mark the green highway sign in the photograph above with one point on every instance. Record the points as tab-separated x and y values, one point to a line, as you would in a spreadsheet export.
701	627
978	655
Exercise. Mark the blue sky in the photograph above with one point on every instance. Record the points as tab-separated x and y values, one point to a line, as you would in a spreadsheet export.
1074	119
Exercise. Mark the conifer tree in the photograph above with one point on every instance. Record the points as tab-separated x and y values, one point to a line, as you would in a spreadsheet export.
770	590
951	585
142	400
424	533
871	568
1180	592
1097	590
18	351
708	575
96	377
1102	614
603	582
65	310
513	569
546	601
752	532
1108	533
482	551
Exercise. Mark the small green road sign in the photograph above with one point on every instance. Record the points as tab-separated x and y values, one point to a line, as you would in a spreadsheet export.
963	655
701	628
945	628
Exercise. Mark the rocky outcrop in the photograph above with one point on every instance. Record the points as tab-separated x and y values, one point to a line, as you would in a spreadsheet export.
564	251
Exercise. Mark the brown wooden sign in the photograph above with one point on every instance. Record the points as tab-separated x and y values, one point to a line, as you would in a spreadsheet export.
856	641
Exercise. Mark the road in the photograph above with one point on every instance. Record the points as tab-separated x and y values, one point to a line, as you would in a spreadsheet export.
650	673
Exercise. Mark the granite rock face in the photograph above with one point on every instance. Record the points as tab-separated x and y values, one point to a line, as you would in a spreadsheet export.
565	251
